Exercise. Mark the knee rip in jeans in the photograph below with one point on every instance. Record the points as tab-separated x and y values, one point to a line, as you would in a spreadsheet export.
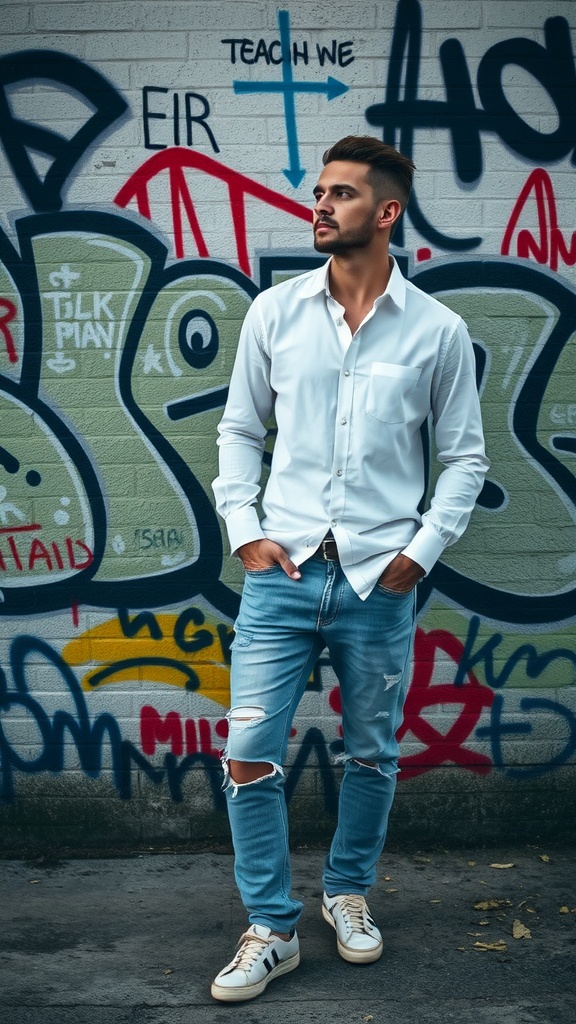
384	768
239	719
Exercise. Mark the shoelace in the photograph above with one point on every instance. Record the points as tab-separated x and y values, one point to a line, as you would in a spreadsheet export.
352	909
249	947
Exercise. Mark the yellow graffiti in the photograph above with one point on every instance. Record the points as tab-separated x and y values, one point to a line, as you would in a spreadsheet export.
108	656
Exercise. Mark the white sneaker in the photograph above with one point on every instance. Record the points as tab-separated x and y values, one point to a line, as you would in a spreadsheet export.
358	938
261	957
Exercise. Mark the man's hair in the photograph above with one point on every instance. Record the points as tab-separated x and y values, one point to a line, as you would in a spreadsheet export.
390	173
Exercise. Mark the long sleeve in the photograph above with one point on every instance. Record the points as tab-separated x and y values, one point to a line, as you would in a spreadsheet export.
459	441
242	434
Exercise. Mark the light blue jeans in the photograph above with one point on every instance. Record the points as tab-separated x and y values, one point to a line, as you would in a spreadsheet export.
282	627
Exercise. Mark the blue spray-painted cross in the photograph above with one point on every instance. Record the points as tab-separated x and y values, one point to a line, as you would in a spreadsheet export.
288	87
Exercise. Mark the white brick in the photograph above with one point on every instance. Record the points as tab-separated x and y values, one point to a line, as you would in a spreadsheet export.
133	45
73	45
214	18
87	17
313	14
15	18
520	15
452	15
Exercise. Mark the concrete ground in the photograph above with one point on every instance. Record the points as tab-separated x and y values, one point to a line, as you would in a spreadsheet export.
137	939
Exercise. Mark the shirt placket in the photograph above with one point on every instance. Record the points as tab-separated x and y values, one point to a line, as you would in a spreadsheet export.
342	425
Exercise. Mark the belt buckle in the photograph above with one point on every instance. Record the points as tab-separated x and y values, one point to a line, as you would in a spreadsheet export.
325	550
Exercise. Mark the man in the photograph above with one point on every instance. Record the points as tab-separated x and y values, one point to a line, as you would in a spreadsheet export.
351	359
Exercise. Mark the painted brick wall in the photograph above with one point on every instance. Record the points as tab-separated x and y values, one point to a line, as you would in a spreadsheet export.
156	171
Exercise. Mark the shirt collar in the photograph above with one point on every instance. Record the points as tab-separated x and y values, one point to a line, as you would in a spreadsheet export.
317	281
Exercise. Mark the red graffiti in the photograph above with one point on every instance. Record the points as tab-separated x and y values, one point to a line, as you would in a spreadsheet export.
469	701
23	552
174	161
549	247
183	736
7	313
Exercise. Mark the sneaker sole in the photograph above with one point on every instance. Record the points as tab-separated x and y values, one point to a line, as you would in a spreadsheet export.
353	956
241	994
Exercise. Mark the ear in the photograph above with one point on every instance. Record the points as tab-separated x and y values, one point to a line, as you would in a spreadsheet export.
389	213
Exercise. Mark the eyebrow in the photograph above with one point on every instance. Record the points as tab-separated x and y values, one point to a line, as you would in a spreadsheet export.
333	188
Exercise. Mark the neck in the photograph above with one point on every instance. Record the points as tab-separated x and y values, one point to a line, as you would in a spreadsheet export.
359	277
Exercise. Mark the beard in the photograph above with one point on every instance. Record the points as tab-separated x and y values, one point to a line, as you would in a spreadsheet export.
346	241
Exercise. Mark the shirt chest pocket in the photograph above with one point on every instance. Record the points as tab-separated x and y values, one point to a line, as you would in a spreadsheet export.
389	386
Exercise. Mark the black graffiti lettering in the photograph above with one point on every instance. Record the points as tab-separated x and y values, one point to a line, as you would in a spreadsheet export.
144	620
297	54
403	112
345	56
246	48
551	64
497	729
485	656
225	636
201	638
247	51
198	118
18	137
324	54
192	117
232	43
88	736
500	728
148	115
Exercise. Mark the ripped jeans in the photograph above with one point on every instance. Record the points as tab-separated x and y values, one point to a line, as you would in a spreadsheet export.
282	627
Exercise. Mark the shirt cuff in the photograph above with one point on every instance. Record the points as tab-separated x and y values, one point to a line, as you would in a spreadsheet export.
425	548
243	526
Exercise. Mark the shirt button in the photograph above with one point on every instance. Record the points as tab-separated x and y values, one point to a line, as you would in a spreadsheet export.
339	321
333	522
338	472
343	420
346	373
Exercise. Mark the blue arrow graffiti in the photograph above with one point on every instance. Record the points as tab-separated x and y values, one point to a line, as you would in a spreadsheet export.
288	88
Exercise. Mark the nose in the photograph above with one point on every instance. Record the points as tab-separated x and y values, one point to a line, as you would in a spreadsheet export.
323	205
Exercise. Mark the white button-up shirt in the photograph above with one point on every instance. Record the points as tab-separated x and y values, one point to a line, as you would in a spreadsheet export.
348	455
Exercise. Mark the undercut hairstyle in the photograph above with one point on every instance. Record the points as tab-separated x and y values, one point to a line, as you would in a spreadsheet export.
390	173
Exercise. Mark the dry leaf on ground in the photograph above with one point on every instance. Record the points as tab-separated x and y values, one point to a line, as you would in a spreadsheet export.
502	865
492	904
492	947
520	931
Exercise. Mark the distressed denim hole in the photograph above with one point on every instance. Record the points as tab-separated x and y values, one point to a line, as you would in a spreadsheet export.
245	717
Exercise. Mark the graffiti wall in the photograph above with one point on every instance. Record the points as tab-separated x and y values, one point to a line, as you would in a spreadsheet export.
157	167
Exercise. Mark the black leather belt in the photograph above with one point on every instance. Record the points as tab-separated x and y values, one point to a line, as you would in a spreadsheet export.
328	550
